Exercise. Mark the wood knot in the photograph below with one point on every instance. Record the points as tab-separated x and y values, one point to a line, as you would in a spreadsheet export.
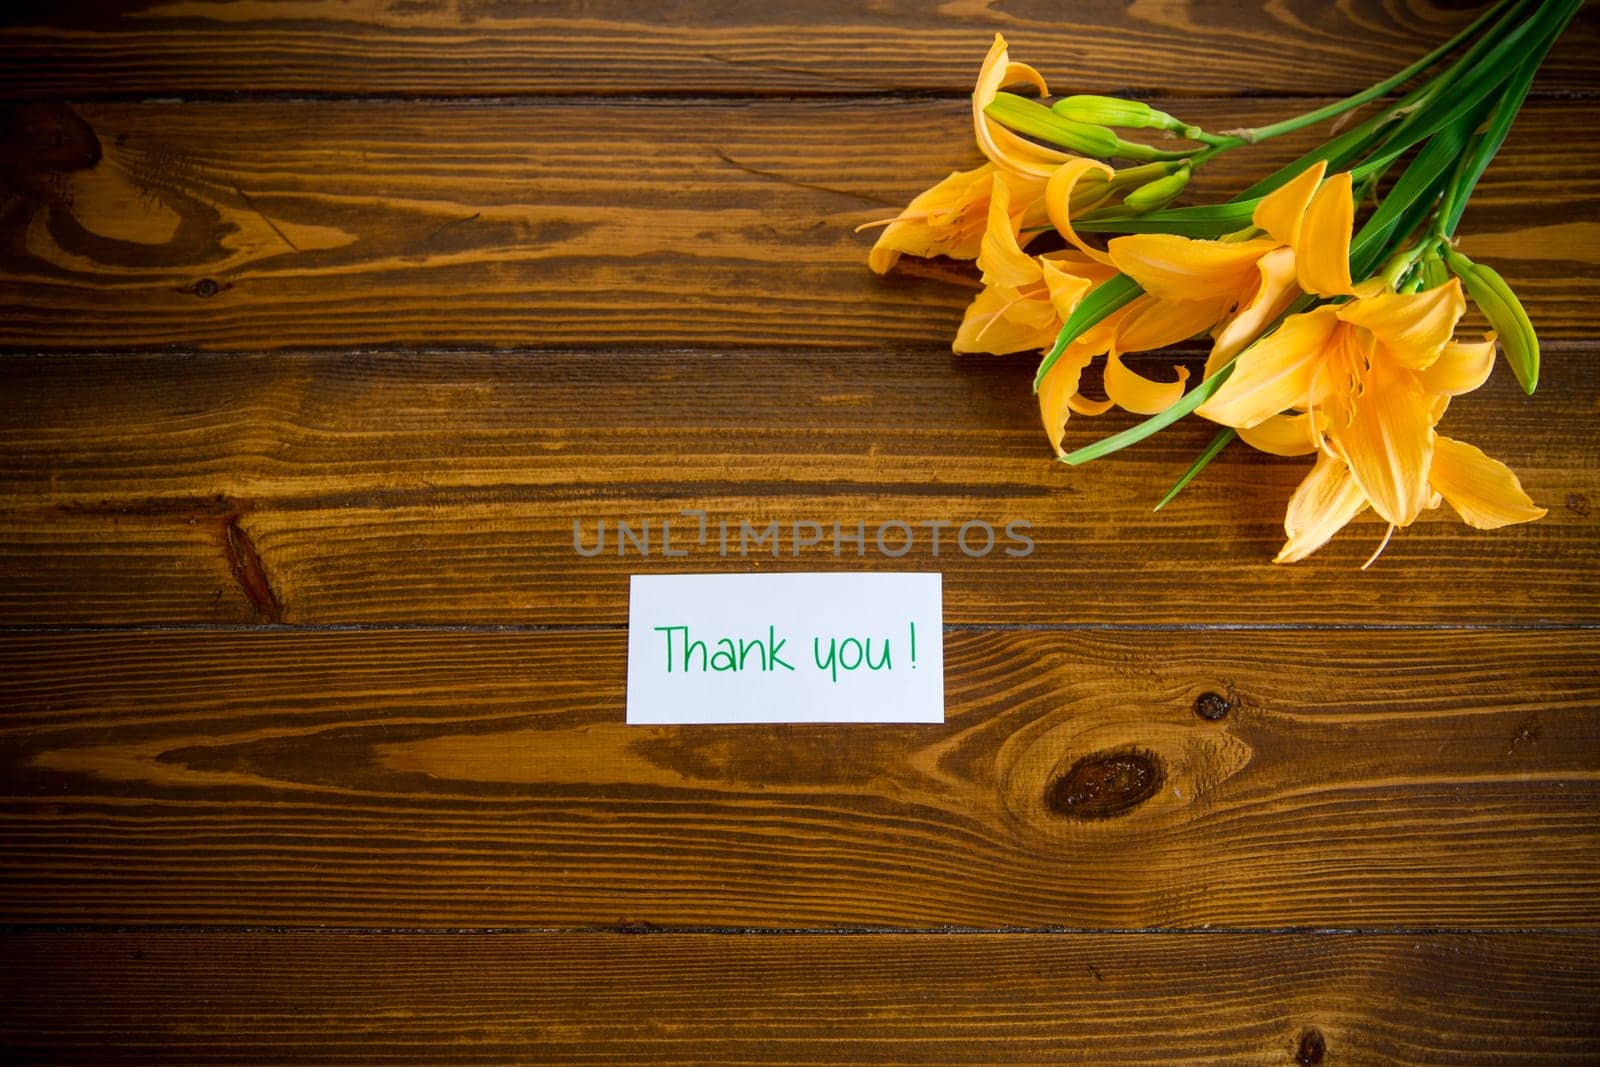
1212	706
206	287
1105	785
245	562
1311	1049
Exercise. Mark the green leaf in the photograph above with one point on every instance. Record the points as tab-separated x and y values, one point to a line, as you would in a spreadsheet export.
1420	183
1134	434
1462	90
1223	438
1347	146
1208	220
1101	302
1505	112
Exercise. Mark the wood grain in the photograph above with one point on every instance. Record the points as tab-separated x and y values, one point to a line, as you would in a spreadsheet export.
323	321
454	779
337	225
1014	999
445	488
821	47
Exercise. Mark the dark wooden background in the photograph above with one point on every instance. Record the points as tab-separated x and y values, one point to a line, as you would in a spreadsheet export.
323	321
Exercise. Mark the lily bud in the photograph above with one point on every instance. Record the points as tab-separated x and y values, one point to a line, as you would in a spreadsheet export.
1114	111
1035	120
1088	193
1152	196
1505	313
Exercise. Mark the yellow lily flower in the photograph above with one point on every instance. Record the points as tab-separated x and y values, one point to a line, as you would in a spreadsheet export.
1305	223
1025	298
1357	371
1009	151
1484	492
949	219
1363	384
1151	321
1234	287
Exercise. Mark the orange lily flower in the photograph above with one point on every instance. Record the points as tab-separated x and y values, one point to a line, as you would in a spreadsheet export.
1356	371
1365	383
1009	151
1025	298
1149	322
1484	492
1236	287
949	219
1251	282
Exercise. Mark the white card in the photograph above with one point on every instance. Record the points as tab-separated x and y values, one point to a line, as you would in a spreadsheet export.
749	648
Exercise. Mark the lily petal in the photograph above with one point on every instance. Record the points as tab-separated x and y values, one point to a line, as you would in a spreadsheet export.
1065	288
1001	259
1322	250
1281	211
1460	368
1057	390
1022	72
1004	148
1000	321
1058	201
1275	291
1484	491
1182	268
1323	505
1413	327
1388	443
1084	406
1275	373
1134	392
1153	323
1285	435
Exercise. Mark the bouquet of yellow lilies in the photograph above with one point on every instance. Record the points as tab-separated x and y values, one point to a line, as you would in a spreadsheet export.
1326	339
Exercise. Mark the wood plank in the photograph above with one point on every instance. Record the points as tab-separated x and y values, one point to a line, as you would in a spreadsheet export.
325	225
772	999
445	488
454	779
80	47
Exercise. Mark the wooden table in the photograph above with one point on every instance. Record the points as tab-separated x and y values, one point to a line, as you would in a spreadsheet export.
323	323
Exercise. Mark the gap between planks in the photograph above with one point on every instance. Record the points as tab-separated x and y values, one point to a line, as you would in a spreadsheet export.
647	929
949	627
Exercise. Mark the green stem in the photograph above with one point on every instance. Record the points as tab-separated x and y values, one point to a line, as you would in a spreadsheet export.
1351	144
1464	87
1213	140
1371	93
1159	421
1421	105
1473	163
